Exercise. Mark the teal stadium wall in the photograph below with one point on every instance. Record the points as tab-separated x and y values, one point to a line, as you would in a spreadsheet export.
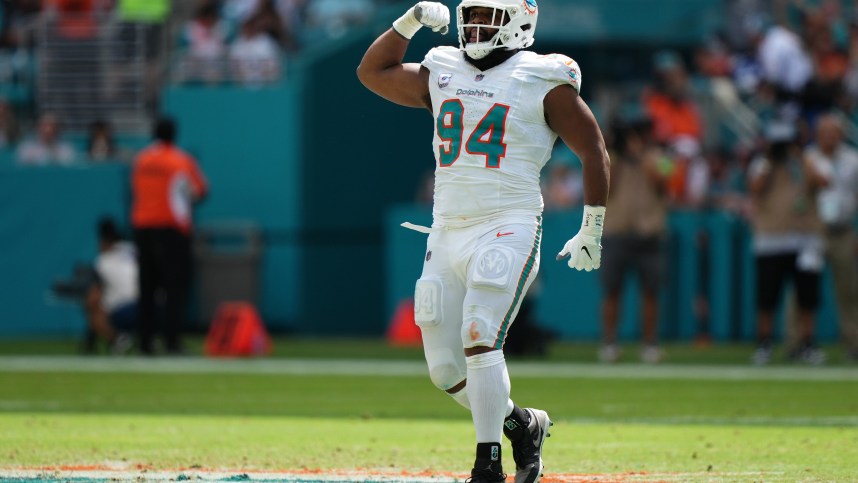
47	224
248	142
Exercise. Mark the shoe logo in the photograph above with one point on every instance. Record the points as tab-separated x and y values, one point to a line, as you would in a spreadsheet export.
499	234
587	252
495	453
510	424
537	435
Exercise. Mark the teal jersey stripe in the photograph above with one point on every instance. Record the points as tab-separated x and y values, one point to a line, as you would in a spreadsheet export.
525	273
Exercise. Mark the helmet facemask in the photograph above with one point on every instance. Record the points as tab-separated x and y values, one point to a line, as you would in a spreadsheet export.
513	21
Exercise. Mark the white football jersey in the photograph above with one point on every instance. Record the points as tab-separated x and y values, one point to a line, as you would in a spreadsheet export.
491	139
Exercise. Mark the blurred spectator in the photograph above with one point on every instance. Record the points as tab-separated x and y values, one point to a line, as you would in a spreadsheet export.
76	19
268	21
9	129
688	172
19	23
564	186
206	37
787	239
146	19
634	234
47	147
254	56
165	183
281	19
101	145
837	209
669	101
785	63
738	15
825	88
143	11
713	59
111	302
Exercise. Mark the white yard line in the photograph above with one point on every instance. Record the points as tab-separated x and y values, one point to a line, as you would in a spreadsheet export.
138	476
92	476
200	365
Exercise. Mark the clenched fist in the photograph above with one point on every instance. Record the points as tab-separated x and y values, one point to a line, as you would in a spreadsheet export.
434	15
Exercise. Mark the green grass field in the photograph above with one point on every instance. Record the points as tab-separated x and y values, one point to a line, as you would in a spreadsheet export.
360	411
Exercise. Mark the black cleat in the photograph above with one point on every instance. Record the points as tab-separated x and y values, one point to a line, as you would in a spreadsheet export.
485	476
527	452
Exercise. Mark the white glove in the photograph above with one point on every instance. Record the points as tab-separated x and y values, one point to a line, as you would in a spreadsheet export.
425	14
585	249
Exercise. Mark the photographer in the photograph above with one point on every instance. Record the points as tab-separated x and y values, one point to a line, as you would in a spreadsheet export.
111	300
787	239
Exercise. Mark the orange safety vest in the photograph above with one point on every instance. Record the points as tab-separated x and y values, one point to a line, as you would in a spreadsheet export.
165	182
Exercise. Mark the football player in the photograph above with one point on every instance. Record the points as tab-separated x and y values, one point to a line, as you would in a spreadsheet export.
497	109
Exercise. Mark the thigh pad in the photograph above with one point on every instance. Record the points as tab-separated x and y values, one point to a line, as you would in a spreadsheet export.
428	294
493	268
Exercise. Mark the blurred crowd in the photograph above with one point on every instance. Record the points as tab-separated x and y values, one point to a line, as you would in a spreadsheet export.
244	40
757	122
188	41
788	67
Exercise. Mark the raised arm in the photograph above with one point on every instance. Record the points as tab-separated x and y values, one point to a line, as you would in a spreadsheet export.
569	116
381	70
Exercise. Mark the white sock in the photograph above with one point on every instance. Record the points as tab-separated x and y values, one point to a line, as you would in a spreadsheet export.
488	392
461	397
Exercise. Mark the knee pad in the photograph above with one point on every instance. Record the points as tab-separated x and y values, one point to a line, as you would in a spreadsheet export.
428	294
492	268
443	369
477	326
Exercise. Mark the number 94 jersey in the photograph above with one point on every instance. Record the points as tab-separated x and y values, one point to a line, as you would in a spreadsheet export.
491	139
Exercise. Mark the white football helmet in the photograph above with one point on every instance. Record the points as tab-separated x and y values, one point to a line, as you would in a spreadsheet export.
517	33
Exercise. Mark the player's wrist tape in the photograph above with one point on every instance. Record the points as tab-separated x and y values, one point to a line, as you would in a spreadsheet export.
594	220
407	25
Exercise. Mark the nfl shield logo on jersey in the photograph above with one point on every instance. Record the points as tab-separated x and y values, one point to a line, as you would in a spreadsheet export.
444	80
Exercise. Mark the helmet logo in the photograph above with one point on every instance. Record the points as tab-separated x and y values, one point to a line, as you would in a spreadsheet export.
530	6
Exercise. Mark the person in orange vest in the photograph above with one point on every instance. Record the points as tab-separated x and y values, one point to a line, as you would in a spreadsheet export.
166	182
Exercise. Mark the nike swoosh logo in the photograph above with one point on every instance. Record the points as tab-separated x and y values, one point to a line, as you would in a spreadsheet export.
587	252
504	234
